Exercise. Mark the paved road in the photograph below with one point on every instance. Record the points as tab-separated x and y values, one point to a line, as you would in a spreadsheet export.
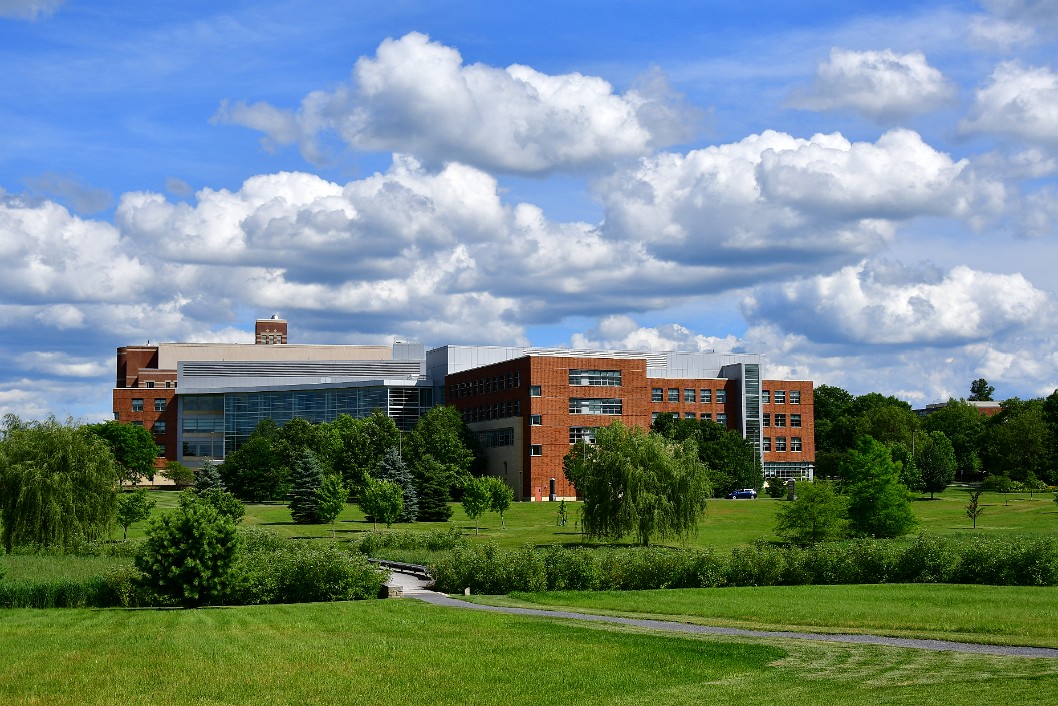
416	588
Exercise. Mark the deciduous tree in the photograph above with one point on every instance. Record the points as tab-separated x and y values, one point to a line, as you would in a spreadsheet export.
132	508
879	504
502	495
818	514
133	447
381	500
477	499
331	498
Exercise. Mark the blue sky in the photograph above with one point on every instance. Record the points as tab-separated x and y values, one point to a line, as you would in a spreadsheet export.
864	192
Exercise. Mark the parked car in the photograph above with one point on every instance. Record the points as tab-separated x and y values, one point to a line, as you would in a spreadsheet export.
744	493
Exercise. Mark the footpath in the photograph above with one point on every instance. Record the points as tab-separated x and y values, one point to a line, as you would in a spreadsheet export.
417	588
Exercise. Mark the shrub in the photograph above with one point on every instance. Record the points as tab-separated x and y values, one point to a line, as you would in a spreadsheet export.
299	572
189	554
434	540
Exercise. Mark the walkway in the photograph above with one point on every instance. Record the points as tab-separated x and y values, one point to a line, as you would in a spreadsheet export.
416	588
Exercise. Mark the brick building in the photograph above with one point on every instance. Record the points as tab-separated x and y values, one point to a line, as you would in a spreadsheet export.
527	406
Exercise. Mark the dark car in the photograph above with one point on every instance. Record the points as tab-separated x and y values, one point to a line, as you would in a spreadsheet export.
744	493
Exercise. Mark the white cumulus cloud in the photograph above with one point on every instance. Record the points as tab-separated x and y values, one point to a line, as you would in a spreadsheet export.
417	96
880	85
1019	102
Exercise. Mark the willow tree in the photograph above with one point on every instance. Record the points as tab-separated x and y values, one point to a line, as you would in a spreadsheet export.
638	483
58	485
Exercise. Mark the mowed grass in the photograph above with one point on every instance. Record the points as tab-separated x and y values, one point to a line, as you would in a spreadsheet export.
1005	615
726	524
406	652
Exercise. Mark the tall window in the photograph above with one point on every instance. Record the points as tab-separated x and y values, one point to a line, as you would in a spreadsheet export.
795	420
159	427
535	420
593	405
674	394
780	443
795	443
595	378
795	397
780	397
688	395
657	394
767	419
137	404
536	450
707	395
721	419
721	396
766	443
780	420
765	396
159	404
585	434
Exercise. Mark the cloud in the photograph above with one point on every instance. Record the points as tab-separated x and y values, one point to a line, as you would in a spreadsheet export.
31	10
880	85
418	97
1017	102
61	364
1039	213
620	332
780	204
81	197
887	304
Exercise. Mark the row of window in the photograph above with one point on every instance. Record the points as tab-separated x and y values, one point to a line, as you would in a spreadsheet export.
491	438
594	405
137	404
780	397
494	410
595	378
721	418
780	443
780	420
481	386
150	383
704	395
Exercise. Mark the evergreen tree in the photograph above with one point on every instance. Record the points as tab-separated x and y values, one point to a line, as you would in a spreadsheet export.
208	477
305	481
435	495
879	504
393	469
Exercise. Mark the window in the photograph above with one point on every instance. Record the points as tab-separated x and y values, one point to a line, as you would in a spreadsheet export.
137	423
535	420
491	438
721	419
150	383
795	420
688	415
689	395
707	396
765	396
159	426
161	450
534	391
203	423
593	405
766	443
780	420
675	415
159	404
654	417
795	443
707	415
536	450
780	443
585	434
674	394
137	404
795	397
780	397
657	394
595	378
721	396
168	383
767	419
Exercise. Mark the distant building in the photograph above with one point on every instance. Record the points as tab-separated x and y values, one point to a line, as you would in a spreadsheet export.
527	405
987	408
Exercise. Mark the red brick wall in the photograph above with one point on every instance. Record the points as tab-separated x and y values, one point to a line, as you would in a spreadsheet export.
806	409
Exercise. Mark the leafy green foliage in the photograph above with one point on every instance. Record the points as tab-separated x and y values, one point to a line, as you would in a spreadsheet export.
1018	441
181	475
208	477
434	482
818	514
297	572
360	444
133	447
305	482
57	485
731	460
634	482
382	500
132	508
331	497
963	424
254	471
775	487
477	499
442	435
936	463
190	554
879	504
974	509
501	497
222	501
981	390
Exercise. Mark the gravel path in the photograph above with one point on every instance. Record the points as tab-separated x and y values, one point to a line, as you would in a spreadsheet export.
415	588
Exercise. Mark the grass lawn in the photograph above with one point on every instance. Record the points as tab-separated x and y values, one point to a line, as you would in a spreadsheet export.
1004	615
406	652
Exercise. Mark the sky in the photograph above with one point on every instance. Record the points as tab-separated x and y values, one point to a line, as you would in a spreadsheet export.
864	192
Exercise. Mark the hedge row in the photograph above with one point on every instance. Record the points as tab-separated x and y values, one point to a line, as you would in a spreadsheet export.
927	559
434	540
271	570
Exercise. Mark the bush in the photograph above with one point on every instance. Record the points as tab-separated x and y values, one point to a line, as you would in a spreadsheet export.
297	572
434	540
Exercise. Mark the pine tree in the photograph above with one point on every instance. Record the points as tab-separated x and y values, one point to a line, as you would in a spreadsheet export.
305	483
393	468
434	494
208	476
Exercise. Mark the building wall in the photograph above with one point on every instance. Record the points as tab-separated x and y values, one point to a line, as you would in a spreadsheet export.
789	463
